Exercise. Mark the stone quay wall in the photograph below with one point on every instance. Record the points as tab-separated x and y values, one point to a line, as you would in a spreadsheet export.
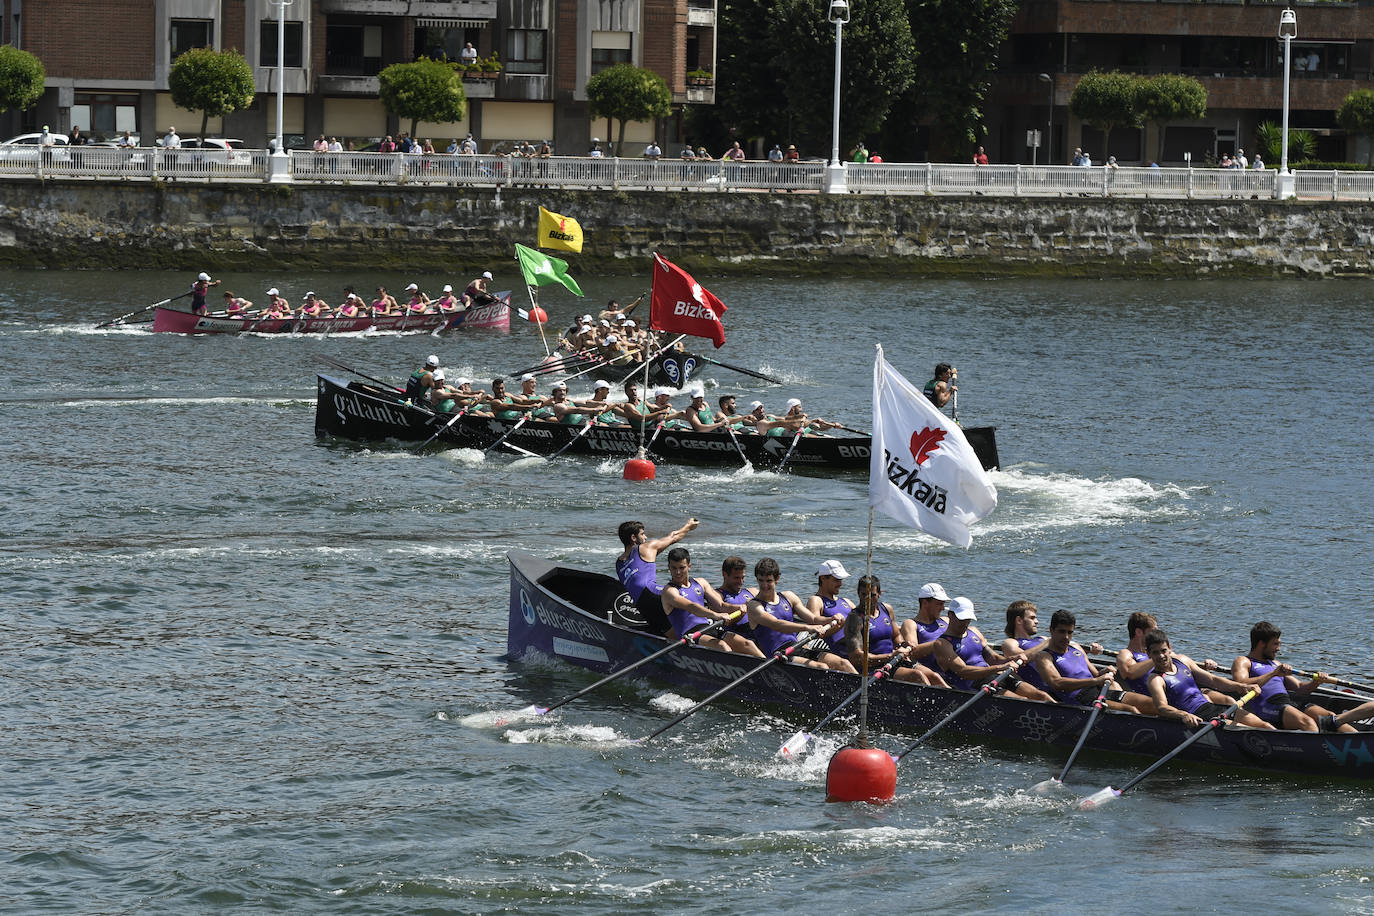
170	225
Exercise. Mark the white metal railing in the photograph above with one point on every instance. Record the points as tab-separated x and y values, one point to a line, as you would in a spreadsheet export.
213	165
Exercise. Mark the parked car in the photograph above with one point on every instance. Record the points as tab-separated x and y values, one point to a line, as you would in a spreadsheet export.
214	151
25	148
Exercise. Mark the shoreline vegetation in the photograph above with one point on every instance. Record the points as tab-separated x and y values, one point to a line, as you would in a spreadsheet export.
82	225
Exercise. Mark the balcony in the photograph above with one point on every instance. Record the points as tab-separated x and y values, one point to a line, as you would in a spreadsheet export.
421	9
701	15
479	88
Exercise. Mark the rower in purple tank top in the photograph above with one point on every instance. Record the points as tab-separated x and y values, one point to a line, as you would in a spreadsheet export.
885	639
962	653
927	626
1064	667
826	602
637	567
1023	636
1284	701
778	618
1184	690
692	604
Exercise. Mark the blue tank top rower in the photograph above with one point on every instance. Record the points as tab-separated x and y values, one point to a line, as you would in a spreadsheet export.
1176	685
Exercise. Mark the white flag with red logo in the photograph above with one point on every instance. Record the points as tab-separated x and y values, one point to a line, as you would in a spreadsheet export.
679	304
922	470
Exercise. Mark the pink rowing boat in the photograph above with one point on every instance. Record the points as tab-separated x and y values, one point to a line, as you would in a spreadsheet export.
175	321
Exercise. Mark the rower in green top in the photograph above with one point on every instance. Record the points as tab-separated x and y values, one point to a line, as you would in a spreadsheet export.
699	416
941	388
523	402
421	381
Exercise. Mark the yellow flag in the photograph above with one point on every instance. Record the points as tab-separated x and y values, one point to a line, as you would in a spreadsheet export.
557	231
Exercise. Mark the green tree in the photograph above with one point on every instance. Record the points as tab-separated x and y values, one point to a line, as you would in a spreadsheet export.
1170	97
1106	101
1356	115
212	82
746	79
423	90
1302	144
627	93
877	66
21	78
957	43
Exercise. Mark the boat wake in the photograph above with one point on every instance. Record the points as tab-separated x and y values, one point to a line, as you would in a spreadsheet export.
671	703
601	735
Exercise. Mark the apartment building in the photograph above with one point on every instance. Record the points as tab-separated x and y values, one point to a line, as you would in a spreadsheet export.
1231	46
107	63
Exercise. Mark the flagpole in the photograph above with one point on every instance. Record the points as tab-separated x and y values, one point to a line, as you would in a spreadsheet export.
865	609
529	290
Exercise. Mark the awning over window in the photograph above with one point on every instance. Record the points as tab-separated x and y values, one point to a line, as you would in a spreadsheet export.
452	23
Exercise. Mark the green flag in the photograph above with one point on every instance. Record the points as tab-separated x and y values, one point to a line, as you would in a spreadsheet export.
540	269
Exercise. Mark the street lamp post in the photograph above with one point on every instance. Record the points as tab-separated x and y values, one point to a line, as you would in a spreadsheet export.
279	170
1049	121
1288	30
834	174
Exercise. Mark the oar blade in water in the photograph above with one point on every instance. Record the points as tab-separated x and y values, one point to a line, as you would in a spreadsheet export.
502	719
1047	786
795	746
1098	799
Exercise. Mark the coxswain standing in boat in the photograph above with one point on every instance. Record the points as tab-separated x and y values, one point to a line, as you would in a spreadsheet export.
777	618
477	292
967	660
884	637
1067	674
637	568
1284	701
198	291
691	604
941	388
1183	690
421	381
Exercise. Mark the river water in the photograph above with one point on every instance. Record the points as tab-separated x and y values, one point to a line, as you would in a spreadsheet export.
246	669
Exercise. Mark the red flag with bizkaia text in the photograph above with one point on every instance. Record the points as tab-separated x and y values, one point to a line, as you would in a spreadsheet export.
680	305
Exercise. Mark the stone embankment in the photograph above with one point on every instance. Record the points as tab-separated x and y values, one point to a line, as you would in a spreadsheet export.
78	224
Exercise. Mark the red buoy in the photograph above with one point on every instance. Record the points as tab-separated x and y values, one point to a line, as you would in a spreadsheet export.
861	774
639	469
538	315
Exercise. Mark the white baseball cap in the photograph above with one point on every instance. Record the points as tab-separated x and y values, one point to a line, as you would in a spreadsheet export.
833	568
932	590
438	375
793	402
274	292
962	608
448	288
586	319
412	286
309	295
203	276
462	380
600	384
664	392
527	377
611	338
605	323
629	323
559	386
486	275
431	360
755	405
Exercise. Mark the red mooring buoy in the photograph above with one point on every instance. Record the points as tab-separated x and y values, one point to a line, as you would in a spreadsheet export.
639	469
538	315
861	774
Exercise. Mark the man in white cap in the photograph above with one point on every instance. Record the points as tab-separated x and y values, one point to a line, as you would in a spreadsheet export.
421	381
477	292
447	302
277	306
699	414
198	291
968	661
419	302
928	625
777	618
314	306
827	604
600	403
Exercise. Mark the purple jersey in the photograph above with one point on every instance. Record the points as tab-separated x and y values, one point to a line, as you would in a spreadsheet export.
1139	684
970	649
1071	663
1028	673
685	619
738	599
1180	688
1275	689
929	632
767	639
881	631
638	575
836	607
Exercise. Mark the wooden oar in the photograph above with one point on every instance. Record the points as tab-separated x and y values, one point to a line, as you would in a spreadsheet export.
740	369
1336	682
1053	781
785	458
147	308
456	417
1100	798
580	433
781	655
986	690
801	742
574	356
338	365
687	640
739	448
521	422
